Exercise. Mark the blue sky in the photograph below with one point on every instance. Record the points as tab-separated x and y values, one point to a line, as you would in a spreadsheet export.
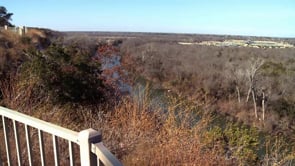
237	17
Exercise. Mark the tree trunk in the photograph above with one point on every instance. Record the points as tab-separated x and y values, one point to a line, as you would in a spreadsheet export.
248	94
254	102
238	92
263	105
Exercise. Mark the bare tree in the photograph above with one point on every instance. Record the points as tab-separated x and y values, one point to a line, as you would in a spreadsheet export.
264	91
263	105
236	73
254	66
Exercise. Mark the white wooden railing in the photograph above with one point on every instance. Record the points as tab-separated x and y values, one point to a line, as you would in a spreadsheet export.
21	30
92	150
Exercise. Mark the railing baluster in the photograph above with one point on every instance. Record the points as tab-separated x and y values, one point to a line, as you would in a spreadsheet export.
92	150
71	153
28	140
55	150
0	156
0	160
5	130
41	144
17	144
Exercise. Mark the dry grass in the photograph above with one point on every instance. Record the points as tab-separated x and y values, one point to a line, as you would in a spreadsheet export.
134	130
141	136
136	133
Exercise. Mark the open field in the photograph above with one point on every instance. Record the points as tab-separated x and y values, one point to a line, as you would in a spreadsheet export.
242	43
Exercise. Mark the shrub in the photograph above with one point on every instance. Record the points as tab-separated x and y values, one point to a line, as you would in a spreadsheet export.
278	151
25	40
66	74
243	143
273	69
284	107
236	142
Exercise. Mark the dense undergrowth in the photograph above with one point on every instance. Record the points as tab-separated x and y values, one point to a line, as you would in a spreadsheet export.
62	83
249	86
254	85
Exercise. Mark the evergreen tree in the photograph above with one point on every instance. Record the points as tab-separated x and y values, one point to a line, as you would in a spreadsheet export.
5	17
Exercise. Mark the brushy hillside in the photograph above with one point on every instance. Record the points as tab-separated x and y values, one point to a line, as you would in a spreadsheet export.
235	81
60	81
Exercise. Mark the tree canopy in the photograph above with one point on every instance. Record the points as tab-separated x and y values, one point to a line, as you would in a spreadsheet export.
5	17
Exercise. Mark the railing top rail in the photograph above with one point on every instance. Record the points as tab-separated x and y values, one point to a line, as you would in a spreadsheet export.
104	154
40	124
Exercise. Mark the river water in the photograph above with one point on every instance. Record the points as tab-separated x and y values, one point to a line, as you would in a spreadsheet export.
141	90
113	63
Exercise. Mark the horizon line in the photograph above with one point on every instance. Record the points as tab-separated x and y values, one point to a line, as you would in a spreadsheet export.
182	33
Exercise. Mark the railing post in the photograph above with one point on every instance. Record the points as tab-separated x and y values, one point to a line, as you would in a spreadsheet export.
20	30
86	137
25	30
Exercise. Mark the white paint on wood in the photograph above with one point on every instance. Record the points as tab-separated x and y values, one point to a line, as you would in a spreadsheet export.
92	151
